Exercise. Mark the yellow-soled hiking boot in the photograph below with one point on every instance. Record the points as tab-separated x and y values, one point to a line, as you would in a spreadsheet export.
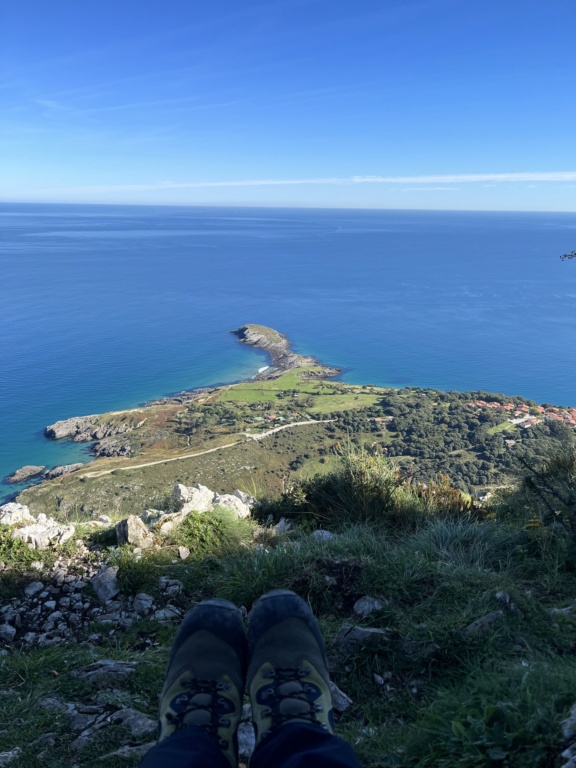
288	679
205	677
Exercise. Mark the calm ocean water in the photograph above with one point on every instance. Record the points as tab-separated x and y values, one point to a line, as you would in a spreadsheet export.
103	307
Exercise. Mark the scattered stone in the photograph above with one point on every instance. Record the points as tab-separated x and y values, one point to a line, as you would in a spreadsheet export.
283	526
33	588
7	757
481	623
14	513
367	605
143	604
183	553
24	473
340	700
46	740
52	704
507	603
350	638
126	751
106	673
170	587
137	722
167	614
105	584
246	741
64	469
322	535
569	725
7	633
133	531
568	611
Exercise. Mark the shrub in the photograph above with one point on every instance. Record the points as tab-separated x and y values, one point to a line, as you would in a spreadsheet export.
368	487
217	532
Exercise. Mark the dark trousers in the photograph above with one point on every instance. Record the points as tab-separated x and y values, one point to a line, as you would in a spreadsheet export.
294	745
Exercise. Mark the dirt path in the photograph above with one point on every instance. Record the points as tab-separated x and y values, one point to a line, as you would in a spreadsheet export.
261	435
100	473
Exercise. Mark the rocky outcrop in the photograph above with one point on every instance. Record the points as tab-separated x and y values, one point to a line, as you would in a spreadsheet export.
42	531
133	531
77	425
24	473
60	471
110	447
85	428
278	347
14	513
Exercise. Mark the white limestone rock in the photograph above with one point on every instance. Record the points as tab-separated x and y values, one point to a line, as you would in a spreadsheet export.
132	530
197	498
106	673
322	535
44	533
7	633
143	603
340	700
367	605
14	513
350	638
105	584
233	503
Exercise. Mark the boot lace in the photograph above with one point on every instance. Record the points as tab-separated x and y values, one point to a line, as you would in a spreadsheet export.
202	705
289	697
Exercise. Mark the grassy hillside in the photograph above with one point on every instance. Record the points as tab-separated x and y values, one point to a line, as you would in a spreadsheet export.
475	665
427	430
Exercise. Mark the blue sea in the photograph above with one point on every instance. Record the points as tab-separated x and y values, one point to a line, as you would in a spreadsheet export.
104	307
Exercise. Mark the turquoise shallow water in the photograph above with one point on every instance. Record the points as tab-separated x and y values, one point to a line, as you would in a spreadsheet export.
103	307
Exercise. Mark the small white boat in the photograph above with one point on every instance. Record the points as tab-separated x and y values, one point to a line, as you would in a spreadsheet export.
265	368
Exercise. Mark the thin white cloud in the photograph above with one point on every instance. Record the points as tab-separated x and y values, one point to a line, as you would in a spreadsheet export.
430	189
538	176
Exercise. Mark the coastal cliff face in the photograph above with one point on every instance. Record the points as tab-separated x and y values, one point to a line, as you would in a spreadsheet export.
85	428
278	347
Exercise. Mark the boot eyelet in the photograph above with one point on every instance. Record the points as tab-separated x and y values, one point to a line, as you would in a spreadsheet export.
224	721
223	743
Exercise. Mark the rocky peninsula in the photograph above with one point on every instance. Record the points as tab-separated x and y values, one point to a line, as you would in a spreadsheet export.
120	434
278	347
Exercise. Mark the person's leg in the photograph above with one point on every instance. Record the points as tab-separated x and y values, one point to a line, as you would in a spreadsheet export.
201	701
190	748
289	689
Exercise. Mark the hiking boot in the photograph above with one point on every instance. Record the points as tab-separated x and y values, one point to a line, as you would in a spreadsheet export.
205	677
288	679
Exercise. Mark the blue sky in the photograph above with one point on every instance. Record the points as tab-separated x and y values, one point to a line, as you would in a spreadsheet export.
441	104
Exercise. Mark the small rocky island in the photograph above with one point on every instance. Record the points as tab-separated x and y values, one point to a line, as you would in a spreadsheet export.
277	345
24	473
